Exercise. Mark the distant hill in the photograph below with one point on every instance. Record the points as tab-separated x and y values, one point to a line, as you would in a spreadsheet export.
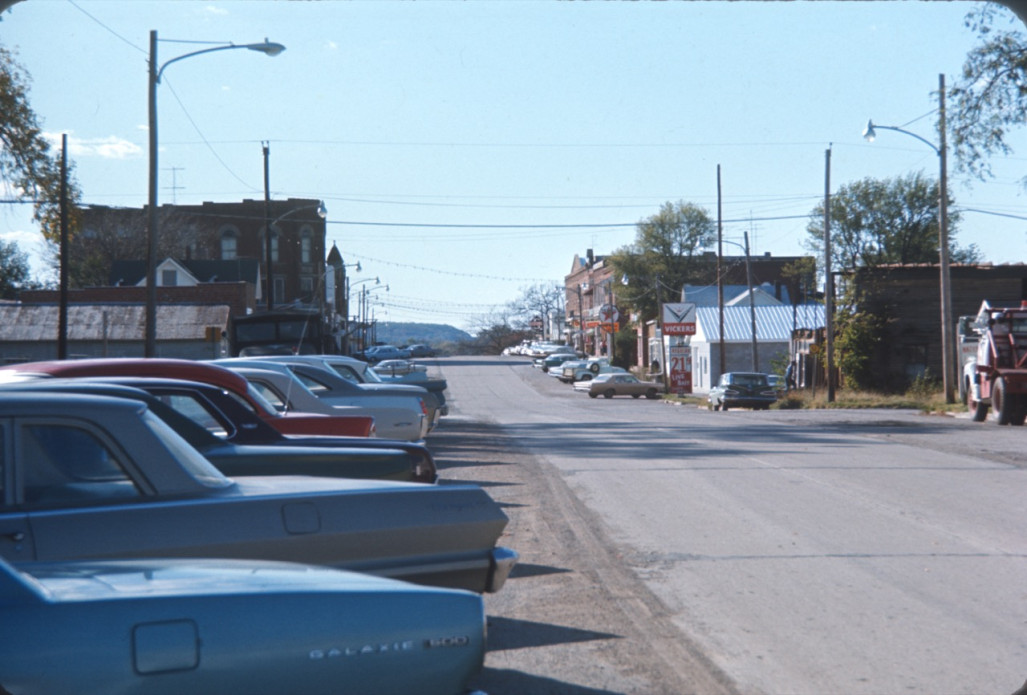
434	334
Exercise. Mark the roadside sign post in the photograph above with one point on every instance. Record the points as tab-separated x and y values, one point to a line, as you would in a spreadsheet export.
679	324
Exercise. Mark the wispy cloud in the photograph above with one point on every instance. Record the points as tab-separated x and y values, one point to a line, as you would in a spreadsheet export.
110	147
214	9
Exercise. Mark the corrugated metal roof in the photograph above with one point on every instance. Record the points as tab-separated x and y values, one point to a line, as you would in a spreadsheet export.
773	323
39	322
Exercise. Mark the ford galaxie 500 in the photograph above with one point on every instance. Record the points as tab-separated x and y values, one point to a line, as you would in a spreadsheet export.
217	627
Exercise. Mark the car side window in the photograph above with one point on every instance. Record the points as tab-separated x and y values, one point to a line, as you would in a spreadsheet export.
346	373
64	464
312	383
270	395
199	412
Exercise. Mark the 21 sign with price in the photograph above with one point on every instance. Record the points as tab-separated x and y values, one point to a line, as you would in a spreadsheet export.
681	368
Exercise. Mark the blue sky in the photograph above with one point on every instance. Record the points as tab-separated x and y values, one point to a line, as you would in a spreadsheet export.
466	150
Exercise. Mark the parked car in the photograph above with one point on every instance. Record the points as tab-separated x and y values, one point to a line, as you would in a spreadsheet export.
213	627
556	360
320	376
421	350
742	390
614	384
232	420
360	372
95	477
289	423
401	418
377	353
398	368
583	370
376	460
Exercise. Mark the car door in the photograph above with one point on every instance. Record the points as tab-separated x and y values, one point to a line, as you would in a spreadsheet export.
15	535
69	475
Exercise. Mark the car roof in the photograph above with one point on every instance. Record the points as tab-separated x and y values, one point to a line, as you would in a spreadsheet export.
135	366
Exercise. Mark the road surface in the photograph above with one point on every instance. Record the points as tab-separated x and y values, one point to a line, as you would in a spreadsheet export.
670	549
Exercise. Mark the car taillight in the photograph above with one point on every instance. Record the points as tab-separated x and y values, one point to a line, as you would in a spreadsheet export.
424	408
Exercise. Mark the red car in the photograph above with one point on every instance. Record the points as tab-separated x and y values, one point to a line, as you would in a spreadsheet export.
287	423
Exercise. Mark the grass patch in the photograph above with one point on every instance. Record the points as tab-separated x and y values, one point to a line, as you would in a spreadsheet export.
927	401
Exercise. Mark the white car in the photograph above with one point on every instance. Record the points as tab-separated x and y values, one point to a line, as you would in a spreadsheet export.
365	375
583	370
395	417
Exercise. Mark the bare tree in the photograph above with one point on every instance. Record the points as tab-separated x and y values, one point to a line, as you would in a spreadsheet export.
543	301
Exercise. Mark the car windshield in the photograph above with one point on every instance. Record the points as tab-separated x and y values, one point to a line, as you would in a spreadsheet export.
748	380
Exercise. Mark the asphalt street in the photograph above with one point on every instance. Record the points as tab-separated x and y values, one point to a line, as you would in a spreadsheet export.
669	549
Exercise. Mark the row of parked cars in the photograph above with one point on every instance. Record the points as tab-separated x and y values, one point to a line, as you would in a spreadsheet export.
594	376
171	526
378	353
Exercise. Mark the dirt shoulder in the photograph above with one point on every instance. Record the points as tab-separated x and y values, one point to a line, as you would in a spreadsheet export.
572	619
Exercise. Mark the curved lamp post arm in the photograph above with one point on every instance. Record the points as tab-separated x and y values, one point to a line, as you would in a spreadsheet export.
267	48
322	212
870	132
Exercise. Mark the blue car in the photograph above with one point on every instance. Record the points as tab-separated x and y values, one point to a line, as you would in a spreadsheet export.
216	627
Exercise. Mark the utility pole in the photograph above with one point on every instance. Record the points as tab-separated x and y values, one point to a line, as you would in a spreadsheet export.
720	280
828	279
62	311
752	306
267	226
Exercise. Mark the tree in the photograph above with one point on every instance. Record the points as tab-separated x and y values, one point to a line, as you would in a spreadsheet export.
112	234
664	256
541	300
990	98
26	165
14	270
493	333
874	222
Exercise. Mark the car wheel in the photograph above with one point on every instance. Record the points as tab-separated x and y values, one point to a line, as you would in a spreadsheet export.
978	410
593	395
608	393
586	377
1002	403
723	406
636	395
651	394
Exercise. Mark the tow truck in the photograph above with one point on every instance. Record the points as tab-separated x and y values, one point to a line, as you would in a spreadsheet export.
997	378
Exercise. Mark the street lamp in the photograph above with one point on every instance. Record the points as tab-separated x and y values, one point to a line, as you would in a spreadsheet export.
360	304
948	339
322	212
155	73
369	310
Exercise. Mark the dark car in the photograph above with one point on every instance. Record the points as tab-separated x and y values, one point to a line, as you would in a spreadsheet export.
231	419
421	350
742	390
367	458
94	477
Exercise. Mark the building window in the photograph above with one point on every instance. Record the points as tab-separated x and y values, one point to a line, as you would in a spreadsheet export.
229	244
307	288
279	296
306	246
169	278
274	246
